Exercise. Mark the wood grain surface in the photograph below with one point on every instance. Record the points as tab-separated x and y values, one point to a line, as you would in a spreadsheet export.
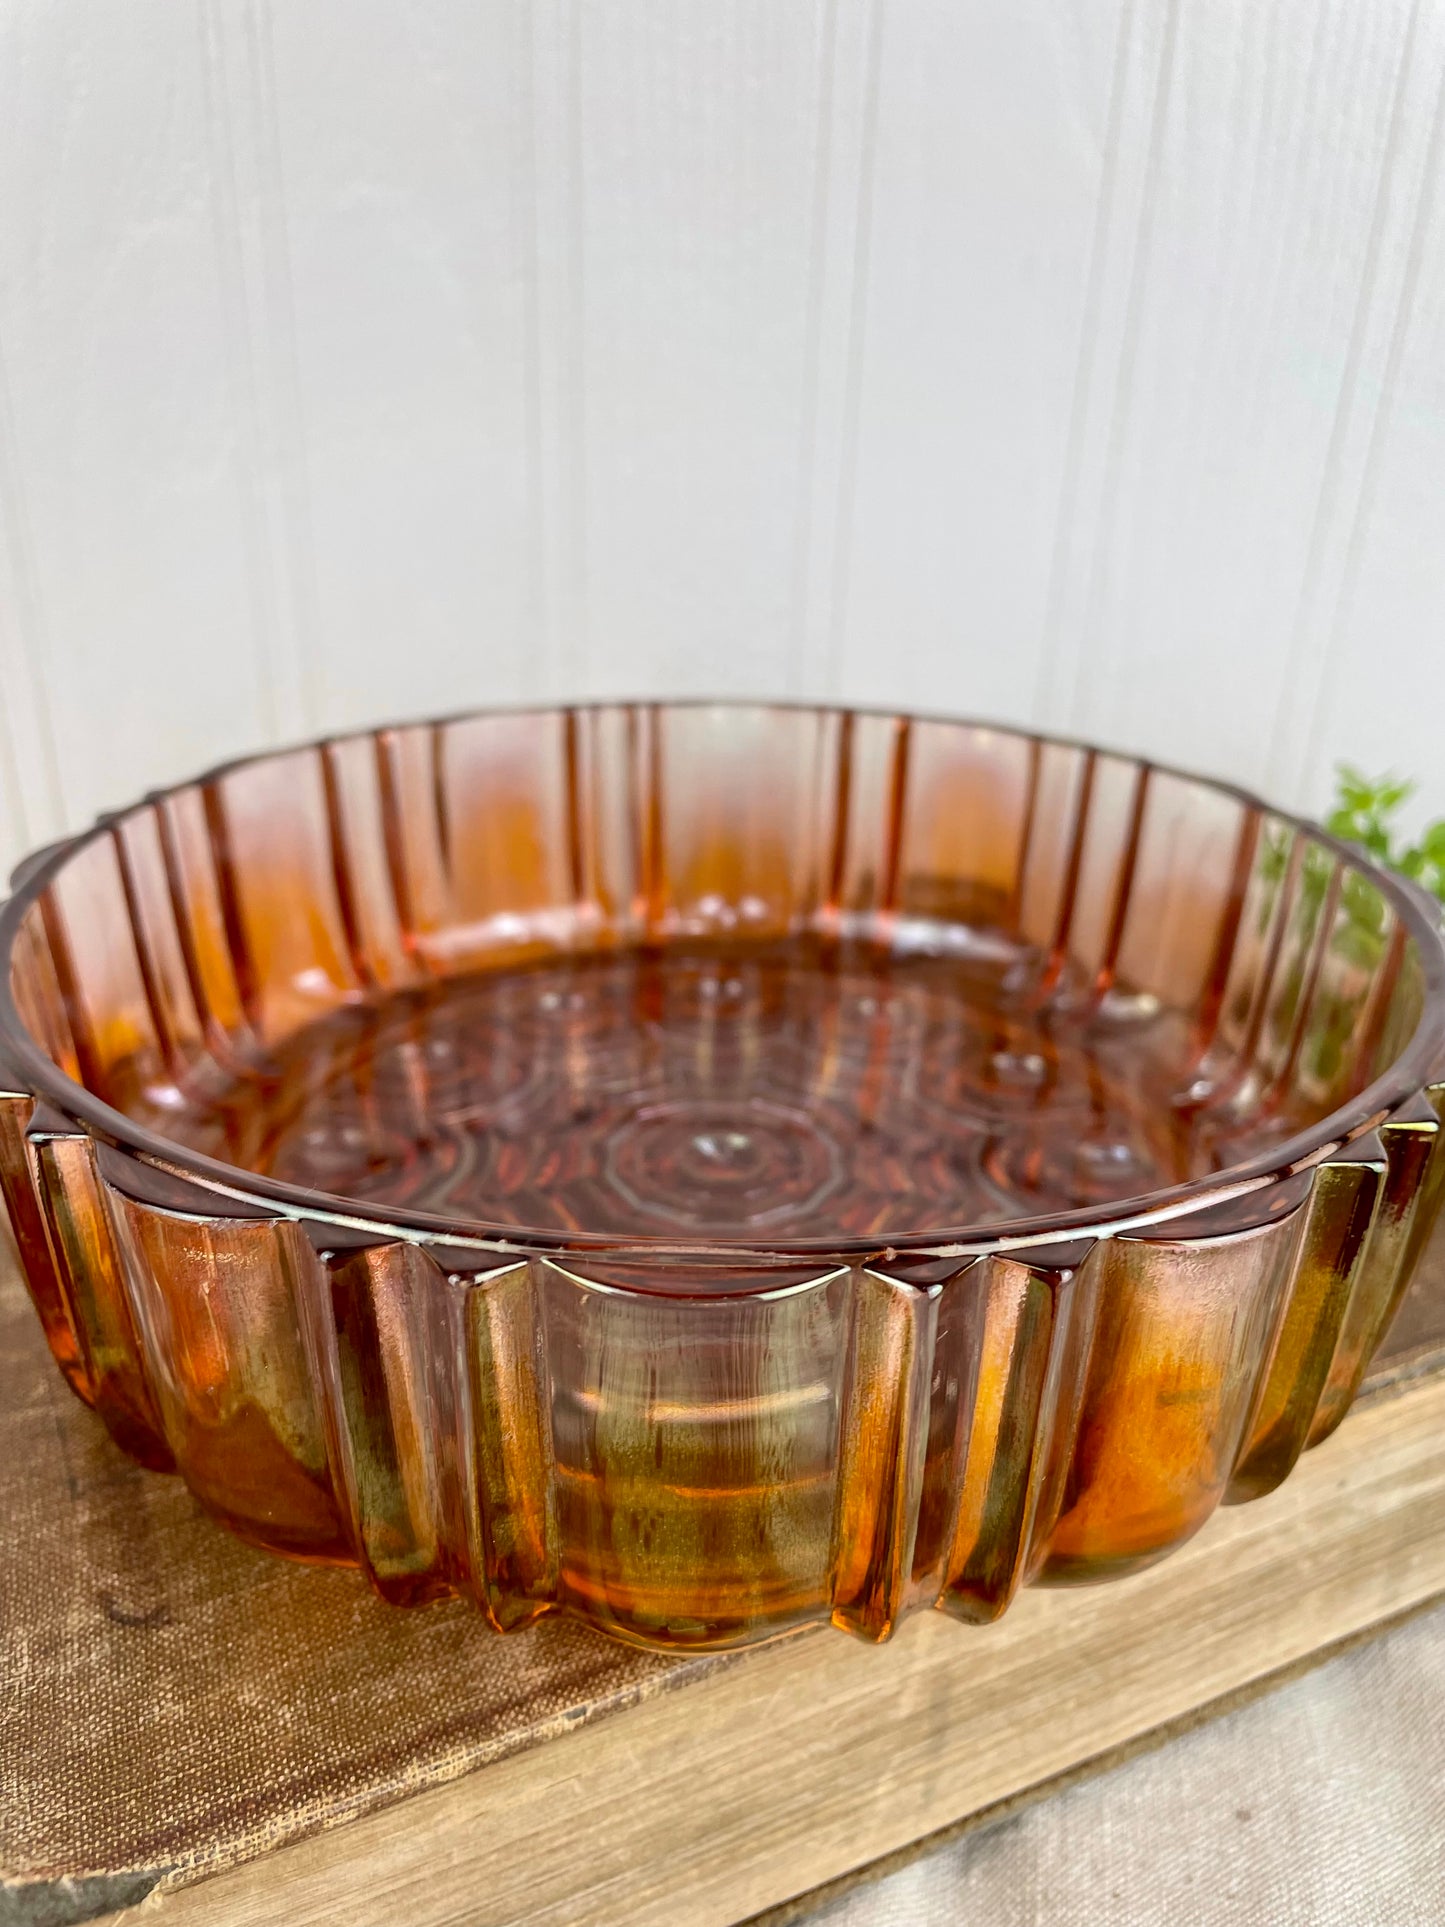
700	1808
174	1704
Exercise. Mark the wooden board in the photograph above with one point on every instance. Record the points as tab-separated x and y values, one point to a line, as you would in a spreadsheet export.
192	1725
699	1808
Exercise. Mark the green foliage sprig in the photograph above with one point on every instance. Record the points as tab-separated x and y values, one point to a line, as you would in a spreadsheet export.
1364	814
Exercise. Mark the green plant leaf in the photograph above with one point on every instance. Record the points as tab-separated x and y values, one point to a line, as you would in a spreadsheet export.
1362	814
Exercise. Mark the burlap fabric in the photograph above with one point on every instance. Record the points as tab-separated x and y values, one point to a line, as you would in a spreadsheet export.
170	1697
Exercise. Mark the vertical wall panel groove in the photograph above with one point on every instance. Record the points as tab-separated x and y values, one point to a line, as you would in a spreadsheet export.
849	108
1076	369
1047	701
845	502
1305	665
29	766
117	424
1094	642
845	105
1323	682
558	352
974	314
244	376
812	345
296	562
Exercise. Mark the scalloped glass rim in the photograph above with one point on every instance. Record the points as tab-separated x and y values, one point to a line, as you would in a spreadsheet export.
1411	1070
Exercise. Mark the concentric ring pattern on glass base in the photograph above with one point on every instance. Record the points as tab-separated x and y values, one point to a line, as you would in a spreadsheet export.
715	1168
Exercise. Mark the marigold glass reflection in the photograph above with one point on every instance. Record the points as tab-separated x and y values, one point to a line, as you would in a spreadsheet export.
714	1168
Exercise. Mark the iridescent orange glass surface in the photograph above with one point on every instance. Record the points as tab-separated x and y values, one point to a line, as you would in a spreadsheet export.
714	1168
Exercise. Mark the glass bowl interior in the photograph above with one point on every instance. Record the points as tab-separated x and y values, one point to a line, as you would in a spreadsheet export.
714	979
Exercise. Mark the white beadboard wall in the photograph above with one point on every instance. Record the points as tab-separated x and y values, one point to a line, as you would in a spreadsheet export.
1069	361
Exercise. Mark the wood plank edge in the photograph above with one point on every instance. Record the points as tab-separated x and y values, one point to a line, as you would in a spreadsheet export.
1156	1737
819	1757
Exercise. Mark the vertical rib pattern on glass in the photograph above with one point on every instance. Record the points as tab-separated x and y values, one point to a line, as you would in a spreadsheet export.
1333	1247
714	1170
82	1240
223	1336
1184	1328
883	1438
1409	1200
386	1394
48	1282
1036	1327
505	1443
696	1447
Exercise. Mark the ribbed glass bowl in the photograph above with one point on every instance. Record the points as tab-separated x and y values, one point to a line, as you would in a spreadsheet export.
715	1168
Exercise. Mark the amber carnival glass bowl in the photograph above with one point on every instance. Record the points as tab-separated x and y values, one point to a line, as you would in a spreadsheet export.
714	1168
